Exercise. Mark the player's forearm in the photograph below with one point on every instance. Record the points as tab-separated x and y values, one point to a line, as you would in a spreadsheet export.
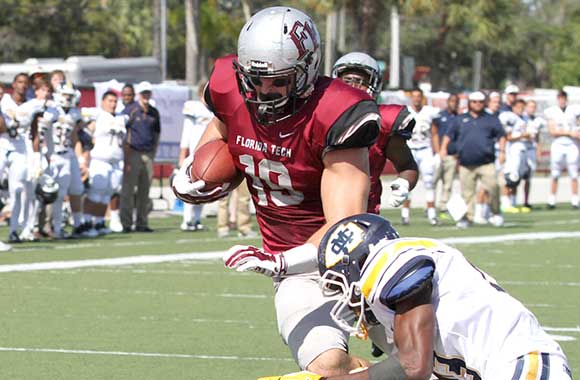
400	155
216	130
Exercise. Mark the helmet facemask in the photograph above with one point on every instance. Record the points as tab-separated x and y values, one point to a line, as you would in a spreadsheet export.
265	108
350	306
363	76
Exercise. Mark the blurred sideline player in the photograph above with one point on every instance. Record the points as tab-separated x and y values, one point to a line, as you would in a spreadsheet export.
520	153
196	118
361	71
105	167
64	166
421	144
302	142
434	312
535	123
563	127
447	170
14	139
3	246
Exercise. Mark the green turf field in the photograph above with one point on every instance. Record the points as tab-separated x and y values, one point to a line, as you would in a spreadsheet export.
195	320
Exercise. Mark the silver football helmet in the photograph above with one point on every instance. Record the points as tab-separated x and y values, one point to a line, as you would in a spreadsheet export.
66	95
359	63
280	45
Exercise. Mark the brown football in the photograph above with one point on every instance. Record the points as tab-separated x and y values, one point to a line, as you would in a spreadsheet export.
214	164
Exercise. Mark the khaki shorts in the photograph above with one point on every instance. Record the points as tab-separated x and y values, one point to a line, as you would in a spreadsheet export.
304	321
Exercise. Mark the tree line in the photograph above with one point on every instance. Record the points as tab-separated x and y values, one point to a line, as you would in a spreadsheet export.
531	42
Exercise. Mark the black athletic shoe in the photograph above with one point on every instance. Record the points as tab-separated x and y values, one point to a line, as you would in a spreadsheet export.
143	229
375	351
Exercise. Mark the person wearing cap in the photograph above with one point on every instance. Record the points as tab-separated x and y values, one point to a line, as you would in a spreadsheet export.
141	141
564	127
511	94
474	134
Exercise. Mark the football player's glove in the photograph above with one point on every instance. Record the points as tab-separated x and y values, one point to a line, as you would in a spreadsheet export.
191	192
244	258
302	375
399	192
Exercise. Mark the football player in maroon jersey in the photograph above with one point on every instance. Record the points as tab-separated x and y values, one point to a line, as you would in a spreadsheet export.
361	71
302	142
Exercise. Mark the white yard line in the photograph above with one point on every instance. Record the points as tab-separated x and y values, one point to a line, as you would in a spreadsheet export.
152	259
142	354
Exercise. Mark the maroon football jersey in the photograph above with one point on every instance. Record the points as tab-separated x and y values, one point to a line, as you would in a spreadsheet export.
283	162
394	119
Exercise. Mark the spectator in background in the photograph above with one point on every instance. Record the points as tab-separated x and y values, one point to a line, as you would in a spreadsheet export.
563	127
56	77
142	140
241	197
127	97
447	170
493	103
1	91
511	94
474	134
196	119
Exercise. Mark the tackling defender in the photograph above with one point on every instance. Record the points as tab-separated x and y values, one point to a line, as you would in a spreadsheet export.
430	308
302	142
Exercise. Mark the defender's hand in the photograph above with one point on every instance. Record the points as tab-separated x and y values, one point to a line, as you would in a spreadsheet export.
302	375
245	258
399	192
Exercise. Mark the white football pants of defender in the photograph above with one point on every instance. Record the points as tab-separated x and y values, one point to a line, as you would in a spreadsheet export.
65	170
564	155
19	188
105	179
521	159
304	322
426	163
535	365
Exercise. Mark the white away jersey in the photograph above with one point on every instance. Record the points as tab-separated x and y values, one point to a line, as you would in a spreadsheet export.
108	137
478	326
19	120
518	125
197	117
566	120
63	126
421	137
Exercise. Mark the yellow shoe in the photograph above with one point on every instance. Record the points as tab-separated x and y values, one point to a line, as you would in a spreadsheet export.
511	210
525	209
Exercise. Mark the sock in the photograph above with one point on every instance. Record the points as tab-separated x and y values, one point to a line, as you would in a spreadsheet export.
115	215
197	213
88	218
479	210
405	212
431	213
505	201
552	199
574	200
486	211
77	218
99	219
187	212
512	200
